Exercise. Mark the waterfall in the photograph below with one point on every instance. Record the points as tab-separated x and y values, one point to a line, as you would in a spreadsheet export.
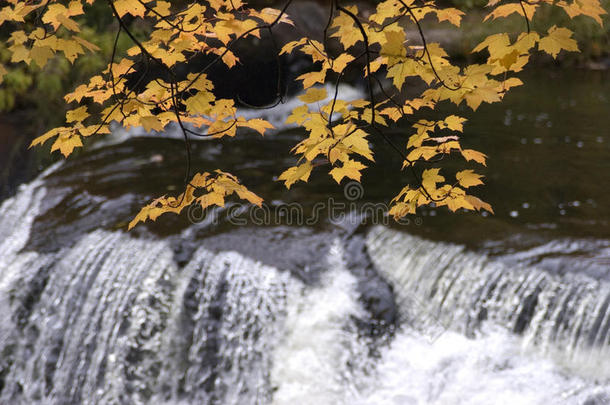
119	318
113	320
451	287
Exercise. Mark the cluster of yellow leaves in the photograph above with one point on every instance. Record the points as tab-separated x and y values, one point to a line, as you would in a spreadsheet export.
422	146
38	45
177	32
399	58
573	8
433	188
434	191
205	189
335	144
338	131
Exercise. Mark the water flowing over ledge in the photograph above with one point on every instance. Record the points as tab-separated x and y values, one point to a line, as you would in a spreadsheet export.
566	315
245	317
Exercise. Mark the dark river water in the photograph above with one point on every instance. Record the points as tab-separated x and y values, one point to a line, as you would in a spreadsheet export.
318	297
547	176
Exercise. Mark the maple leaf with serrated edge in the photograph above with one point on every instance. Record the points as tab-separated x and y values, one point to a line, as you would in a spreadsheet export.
214	189
507	9
151	123
468	178
454	123
344	29
77	115
296	173
558	39
350	169
257	124
478	204
471	154
313	94
66	143
430	177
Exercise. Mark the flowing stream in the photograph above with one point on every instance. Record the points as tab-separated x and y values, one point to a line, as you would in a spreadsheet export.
115	319
502	310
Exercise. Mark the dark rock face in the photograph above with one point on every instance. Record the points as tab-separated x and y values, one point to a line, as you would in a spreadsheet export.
600	399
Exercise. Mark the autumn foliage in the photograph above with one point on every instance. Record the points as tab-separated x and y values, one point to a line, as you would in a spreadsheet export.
338	132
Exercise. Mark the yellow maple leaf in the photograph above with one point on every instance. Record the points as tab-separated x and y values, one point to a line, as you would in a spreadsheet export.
356	142
453	15
77	115
495	44
41	54
350	169
20	53
68	23
400	71
296	173
471	154
71	49
507	9
48	135
311	78
423	152
313	95
200	103
558	39
589	8
299	115
430	177
511	82
340	62
456	201
454	123
478	204
386	9
151	123
133	7
401	209
257	124
526	41
343	28
488	93
213	187
67	143
91	129
269	15
468	178
393	47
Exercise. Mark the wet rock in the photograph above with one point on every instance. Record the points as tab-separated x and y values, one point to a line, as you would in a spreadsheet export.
599	399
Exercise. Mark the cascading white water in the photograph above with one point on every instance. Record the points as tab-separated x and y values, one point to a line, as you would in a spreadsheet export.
115	320
490	368
320	359
566	315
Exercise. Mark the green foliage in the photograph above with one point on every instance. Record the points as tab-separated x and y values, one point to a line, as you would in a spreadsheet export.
28	87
